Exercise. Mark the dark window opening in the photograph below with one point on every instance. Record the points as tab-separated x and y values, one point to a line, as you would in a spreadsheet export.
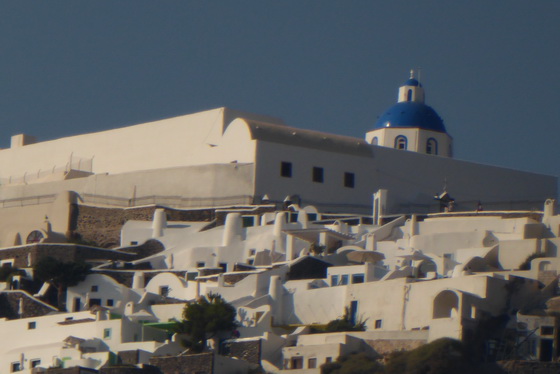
431	147
318	174
31	325
94	288
378	323
358	278
286	169
297	363
248	221
77	304
409	95
401	142
16	366
353	311
93	302
349	180
110	302
223	265
200	264
164	291
547	330
312	363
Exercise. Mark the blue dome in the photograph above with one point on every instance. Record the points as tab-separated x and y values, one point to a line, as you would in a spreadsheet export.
412	115
412	82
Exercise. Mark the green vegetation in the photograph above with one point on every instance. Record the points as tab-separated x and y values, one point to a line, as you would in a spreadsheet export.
443	356
61	275
354	363
341	324
204	319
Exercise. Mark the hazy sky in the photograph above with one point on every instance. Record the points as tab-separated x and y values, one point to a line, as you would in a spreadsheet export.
491	69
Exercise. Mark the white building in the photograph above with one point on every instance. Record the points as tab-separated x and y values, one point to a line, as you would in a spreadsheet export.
222	157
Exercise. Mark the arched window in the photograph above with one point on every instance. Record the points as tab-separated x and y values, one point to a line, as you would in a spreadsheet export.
431	147
34	236
446	305
375	140
409	95
401	142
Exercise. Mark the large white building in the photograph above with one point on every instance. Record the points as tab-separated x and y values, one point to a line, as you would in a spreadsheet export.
223	157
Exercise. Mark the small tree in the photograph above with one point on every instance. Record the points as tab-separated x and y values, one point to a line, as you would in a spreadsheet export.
61	275
204	319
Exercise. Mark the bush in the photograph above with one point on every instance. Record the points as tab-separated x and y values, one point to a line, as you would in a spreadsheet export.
355	363
442	356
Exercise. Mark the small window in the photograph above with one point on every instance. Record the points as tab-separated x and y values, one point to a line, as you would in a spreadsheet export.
248	221
164	290
378	323
134	243
334	280
409	95
344	279
401	142
318	174
349	180
93	302
293	217
297	362
110	302
328	360
312	363
375	141
31	325
200	264
547	330
358	278
252	252
94	288
16	366
223	265
286	169
250	261
107	334
431	147
312	216
35	362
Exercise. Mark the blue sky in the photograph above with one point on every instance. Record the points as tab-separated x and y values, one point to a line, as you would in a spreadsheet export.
491	69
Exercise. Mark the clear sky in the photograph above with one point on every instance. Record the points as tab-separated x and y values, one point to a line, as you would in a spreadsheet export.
491	69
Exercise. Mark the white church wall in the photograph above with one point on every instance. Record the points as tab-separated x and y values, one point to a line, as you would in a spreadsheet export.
187	186
411	178
185	140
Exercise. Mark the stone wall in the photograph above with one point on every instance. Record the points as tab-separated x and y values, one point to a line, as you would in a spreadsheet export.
386	346
246	350
10	304
530	367
102	226
189	364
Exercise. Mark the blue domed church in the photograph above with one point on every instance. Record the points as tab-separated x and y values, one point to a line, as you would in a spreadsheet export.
411	125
